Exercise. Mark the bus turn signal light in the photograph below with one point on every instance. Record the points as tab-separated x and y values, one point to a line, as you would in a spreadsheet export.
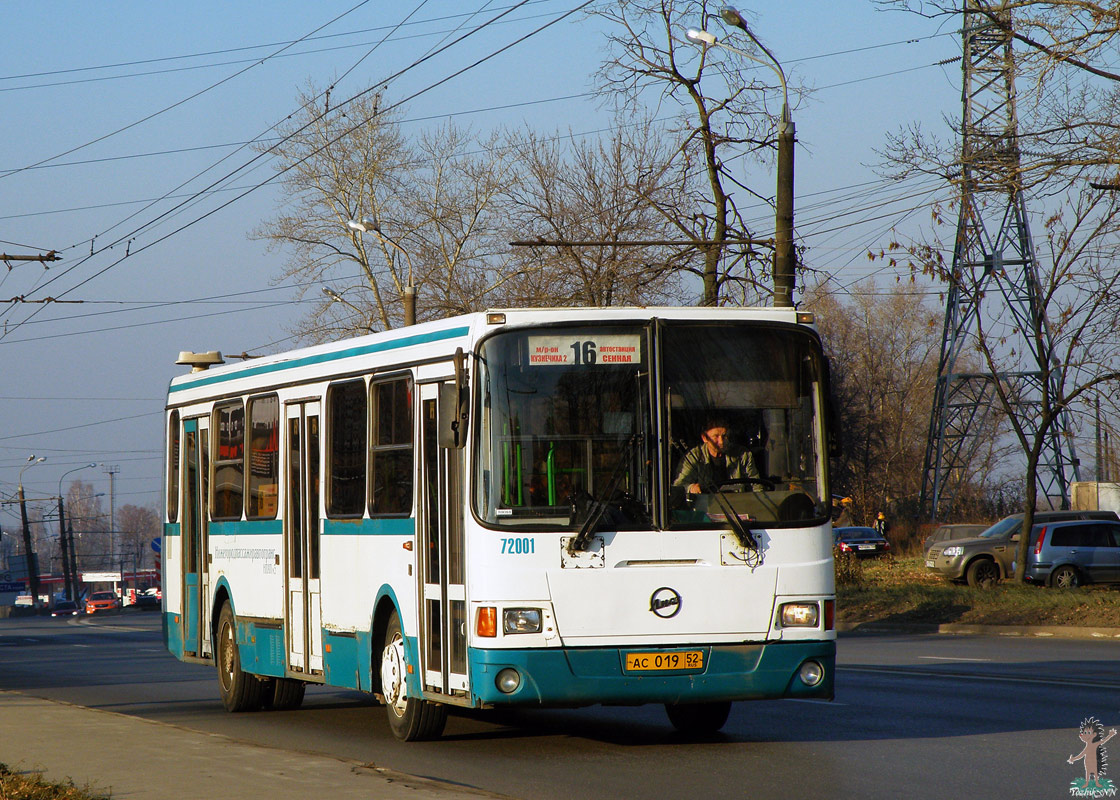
487	622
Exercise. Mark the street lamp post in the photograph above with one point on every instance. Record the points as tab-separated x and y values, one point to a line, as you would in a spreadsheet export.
29	555
69	561
784	275
371	225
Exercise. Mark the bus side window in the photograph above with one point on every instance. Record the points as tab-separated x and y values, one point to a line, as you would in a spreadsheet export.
391	449
264	457
346	432
228	489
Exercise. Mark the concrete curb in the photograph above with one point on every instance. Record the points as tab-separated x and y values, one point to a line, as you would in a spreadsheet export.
1036	631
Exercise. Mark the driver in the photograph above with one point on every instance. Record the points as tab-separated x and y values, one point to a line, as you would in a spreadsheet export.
715	461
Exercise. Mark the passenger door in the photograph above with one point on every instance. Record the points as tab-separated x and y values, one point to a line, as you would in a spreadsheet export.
443	597
195	476
301	539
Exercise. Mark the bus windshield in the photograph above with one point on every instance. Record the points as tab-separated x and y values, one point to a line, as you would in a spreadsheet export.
581	418
743	405
565	424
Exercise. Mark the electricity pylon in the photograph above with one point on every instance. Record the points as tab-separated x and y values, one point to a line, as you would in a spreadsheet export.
993	285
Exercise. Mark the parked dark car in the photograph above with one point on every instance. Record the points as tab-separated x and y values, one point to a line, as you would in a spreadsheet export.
1068	554
864	542
944	534
65	608
988	558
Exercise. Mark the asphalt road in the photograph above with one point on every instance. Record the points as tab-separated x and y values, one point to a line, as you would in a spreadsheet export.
915	716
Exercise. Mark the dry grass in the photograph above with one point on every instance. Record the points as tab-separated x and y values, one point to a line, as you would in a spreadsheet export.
32	786
903	590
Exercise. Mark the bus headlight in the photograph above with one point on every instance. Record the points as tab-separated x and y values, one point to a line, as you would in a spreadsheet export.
800	615
521	620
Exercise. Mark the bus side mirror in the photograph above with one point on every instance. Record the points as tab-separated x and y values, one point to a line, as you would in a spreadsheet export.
454	408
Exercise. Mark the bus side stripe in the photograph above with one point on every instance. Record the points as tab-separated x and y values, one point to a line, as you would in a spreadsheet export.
264	369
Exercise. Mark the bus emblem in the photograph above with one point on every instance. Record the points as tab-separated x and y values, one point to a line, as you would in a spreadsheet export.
665	602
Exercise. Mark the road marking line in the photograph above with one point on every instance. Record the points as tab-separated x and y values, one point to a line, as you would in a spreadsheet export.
814	702
954	658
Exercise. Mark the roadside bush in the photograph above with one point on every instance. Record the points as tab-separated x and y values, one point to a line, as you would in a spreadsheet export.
849	569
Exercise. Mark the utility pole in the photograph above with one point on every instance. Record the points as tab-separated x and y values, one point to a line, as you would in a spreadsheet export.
73	559
784	254
112	471
65	554
29	553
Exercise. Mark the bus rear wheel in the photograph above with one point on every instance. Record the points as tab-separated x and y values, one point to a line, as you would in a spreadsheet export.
240	691
698	719
411	719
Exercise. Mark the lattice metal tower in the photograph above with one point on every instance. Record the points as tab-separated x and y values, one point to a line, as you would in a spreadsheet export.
994	266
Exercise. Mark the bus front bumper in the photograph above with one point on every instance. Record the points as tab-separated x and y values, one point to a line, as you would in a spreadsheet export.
587	676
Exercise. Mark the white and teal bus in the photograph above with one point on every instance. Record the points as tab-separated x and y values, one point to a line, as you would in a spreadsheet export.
481	512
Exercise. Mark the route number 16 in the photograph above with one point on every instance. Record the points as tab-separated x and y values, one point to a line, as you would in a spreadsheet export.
583	352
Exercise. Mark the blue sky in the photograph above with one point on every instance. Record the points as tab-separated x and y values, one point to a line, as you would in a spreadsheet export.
112	106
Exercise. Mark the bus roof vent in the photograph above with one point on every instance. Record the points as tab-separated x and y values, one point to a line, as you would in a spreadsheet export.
199	362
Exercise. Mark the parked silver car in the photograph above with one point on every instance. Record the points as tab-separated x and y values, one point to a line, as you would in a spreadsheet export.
1068	554
988	558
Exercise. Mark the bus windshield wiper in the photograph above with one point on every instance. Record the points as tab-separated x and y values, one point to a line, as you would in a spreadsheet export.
599	505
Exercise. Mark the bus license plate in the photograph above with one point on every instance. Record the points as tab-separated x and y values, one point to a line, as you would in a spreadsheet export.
653	662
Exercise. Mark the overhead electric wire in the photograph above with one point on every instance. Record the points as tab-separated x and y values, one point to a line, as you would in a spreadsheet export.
226	51
180	102
291	166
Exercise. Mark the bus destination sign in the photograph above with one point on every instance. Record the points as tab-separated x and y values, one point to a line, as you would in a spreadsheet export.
567	351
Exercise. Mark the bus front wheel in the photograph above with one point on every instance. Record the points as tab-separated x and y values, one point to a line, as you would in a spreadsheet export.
410	718
698	719
240	690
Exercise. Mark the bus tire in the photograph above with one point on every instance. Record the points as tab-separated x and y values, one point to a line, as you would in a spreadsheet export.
411	719
698	719
284	694
240	691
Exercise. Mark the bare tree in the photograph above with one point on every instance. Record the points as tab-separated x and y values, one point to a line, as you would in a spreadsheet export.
883	348
723	117
1054	33
431	199
601	191
137	526
90	524
1066	89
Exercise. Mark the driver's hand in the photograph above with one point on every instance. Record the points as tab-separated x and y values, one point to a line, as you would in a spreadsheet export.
694	488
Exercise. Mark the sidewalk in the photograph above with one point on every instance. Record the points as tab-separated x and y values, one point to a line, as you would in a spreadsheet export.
164	762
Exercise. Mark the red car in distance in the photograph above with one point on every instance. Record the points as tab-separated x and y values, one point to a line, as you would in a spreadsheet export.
102	601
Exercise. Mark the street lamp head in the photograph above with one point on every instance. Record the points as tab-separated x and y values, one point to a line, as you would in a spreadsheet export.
733	18
365	225
699	37
38	460
332	294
